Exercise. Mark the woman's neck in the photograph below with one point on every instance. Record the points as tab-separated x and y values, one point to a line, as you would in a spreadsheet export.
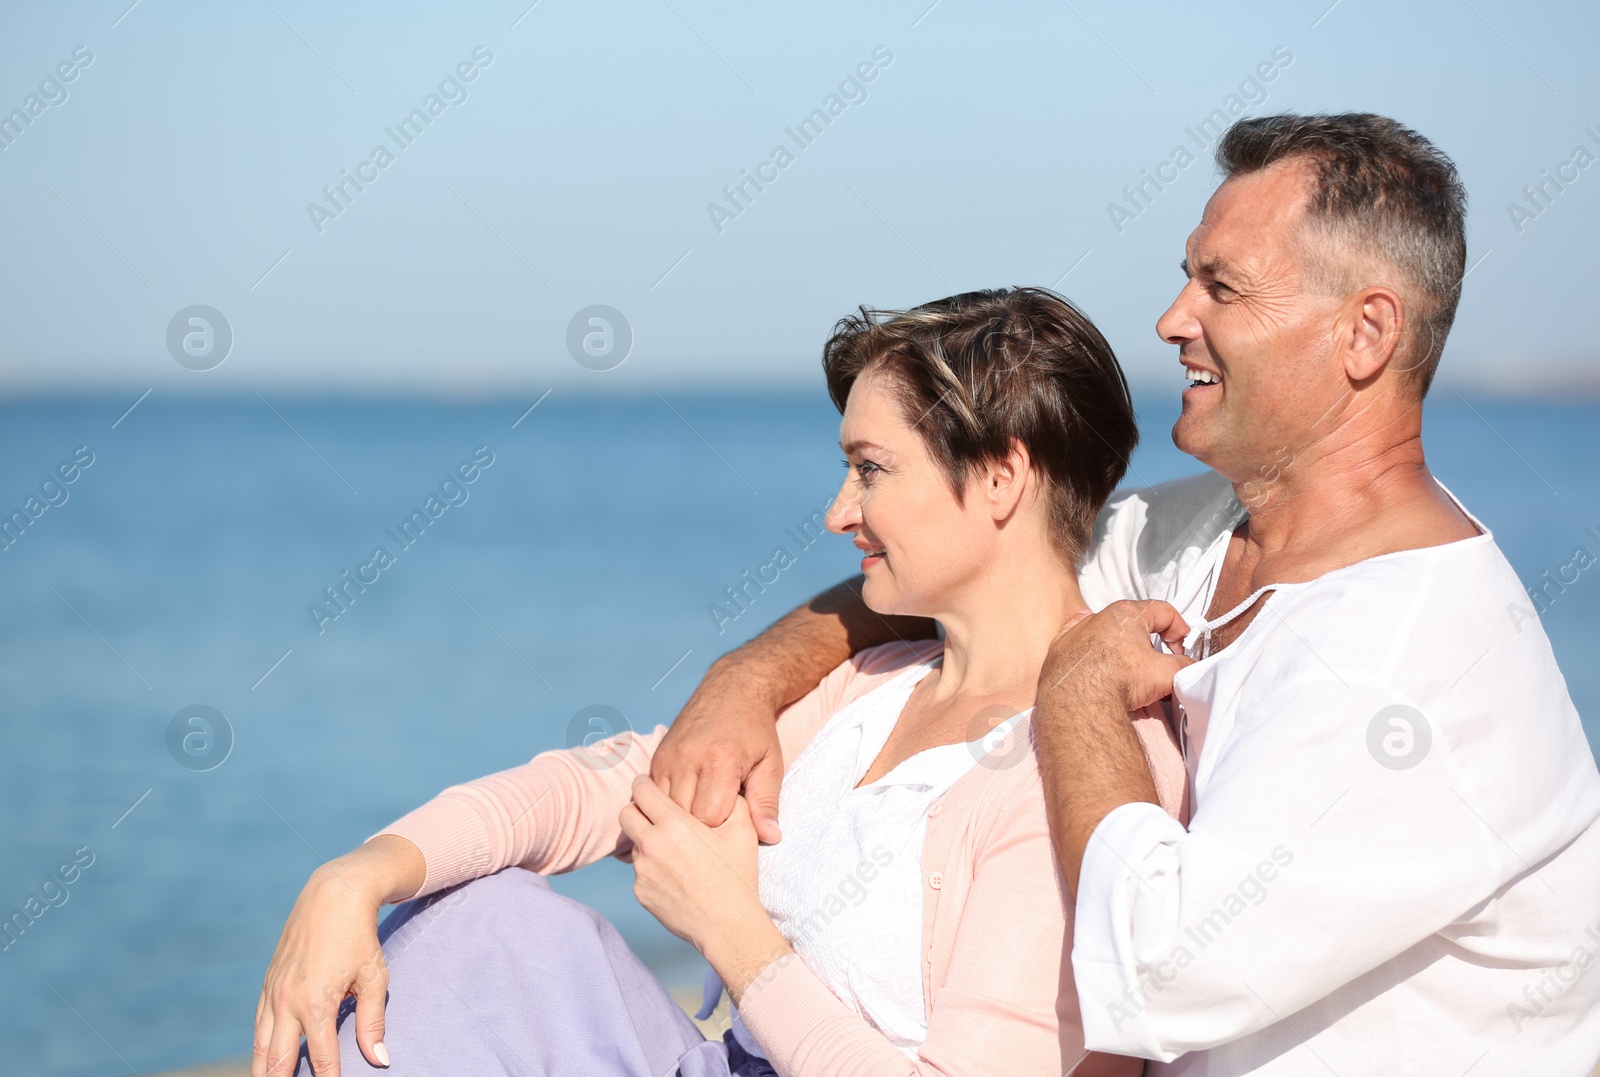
997	636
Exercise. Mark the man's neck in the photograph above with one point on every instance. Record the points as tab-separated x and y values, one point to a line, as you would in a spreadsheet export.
1331	508
1346	504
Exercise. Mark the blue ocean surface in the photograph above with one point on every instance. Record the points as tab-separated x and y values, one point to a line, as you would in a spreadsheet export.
581	568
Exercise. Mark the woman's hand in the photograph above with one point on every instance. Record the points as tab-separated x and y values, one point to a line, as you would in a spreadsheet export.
328	951
700	882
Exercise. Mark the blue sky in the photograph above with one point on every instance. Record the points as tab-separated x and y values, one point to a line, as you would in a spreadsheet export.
578	165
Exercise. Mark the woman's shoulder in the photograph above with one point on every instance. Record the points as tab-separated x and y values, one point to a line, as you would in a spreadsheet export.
1005	794
849	681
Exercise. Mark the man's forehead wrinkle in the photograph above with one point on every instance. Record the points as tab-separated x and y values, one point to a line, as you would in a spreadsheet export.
1211	261
1253	241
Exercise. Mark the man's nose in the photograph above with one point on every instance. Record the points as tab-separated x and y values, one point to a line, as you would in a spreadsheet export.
1179	324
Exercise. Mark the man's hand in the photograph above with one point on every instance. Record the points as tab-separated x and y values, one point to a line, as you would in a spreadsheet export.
1101	669
1109	654
723	740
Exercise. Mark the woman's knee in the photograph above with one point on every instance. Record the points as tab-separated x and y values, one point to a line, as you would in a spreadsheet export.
511	904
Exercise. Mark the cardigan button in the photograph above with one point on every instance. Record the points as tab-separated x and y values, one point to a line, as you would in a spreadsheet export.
936	880
936	808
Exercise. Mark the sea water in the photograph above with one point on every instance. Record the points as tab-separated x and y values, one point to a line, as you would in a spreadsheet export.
603	553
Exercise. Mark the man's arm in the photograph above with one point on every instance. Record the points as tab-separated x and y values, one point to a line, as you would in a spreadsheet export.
1100	669
1309	862
726	735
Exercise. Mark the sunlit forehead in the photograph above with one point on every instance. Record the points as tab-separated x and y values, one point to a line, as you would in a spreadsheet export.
855	445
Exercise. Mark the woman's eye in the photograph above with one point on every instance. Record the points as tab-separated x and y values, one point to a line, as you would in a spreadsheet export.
864	470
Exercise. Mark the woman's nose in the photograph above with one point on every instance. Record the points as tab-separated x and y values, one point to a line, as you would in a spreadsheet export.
844	515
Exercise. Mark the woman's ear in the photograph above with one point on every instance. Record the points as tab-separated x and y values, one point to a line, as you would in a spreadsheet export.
1006	480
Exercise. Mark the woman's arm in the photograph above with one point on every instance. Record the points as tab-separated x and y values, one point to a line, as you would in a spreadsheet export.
555	813
724	738
552	814
329	950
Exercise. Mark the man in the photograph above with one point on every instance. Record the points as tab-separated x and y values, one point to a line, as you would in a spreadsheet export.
1392	860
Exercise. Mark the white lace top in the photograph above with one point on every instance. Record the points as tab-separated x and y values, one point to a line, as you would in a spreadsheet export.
845	884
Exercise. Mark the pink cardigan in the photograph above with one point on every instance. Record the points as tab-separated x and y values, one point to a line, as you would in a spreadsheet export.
997	972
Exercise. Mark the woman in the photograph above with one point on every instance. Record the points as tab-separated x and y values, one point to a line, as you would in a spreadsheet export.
912	920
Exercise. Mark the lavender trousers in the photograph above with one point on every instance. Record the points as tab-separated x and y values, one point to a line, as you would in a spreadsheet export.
504	976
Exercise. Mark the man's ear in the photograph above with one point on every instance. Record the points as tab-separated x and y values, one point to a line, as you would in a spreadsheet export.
1377	318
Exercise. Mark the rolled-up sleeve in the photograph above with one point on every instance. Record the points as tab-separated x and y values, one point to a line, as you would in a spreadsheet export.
1125	917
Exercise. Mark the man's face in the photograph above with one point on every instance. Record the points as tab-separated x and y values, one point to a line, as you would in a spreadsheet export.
1247	319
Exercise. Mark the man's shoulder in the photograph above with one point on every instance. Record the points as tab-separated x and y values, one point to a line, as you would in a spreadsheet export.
1144	531
894	656
1420	618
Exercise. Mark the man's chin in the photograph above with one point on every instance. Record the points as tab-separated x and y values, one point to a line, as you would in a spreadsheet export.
1190	435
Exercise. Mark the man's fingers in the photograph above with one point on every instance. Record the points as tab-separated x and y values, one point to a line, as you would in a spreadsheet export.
761	790
716	787
1153	679
1163	619
369	1020
683	789
664	765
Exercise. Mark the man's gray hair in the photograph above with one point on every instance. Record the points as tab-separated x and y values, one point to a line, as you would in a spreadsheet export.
1380	189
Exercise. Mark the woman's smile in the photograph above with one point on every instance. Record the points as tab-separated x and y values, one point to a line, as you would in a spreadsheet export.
873	554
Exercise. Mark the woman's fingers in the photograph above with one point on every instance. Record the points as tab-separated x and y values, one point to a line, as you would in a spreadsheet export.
263	1038
656	807
647	798
684	785
371	989
283	1046
739	816
633	822
322	1045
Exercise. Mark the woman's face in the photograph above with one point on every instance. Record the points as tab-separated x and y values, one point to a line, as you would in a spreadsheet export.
920	545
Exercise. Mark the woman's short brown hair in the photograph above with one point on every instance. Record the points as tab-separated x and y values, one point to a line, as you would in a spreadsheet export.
977	371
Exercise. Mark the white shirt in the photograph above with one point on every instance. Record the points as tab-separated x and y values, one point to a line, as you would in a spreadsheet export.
845	885
1393	862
